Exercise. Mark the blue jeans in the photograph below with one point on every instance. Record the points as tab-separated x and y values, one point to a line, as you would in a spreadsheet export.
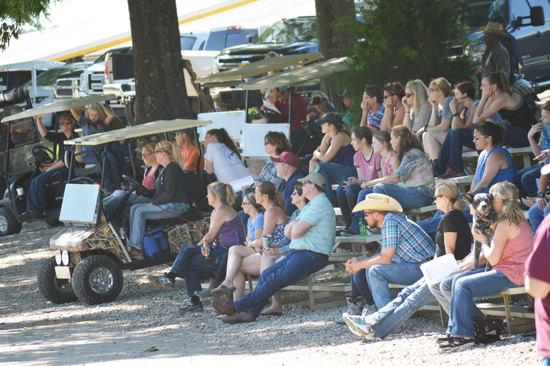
359	214
525	180
360	286
347	200
515	136
112	176
442	291
111	203
463	308
140	213
380	275
36	199
536	215
190	260
408	197
298	265
451	150
121	151
335	174
399	310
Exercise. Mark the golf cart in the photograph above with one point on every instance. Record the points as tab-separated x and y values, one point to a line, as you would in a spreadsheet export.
24	155
91	251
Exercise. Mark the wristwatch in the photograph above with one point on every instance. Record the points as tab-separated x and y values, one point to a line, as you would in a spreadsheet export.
541	195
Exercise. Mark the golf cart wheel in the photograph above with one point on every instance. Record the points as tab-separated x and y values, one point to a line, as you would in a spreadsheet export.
52	222
55	290
8	223
97	279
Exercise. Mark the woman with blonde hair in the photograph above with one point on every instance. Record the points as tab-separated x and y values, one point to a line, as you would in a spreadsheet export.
169	197
243	260
453	237
506	252
440	97
225	228
99	117
417	105
412	184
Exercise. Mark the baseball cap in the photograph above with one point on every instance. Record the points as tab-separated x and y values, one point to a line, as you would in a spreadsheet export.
315	178
287	157
332	118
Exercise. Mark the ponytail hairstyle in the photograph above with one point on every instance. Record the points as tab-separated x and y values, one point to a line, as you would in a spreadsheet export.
190	133
468	89
511	208
443	85
223	191
384	137
409	141
270	190
500	79
490	128
363	132
223	138
253	202
396	89
172	149
450	190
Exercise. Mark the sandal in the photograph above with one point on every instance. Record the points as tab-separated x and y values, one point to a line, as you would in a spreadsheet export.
271	312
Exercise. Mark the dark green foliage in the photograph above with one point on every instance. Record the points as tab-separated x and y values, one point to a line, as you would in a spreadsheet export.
15	13
402	40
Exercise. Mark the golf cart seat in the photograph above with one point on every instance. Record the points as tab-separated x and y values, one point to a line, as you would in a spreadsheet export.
55	188
193	214
81	169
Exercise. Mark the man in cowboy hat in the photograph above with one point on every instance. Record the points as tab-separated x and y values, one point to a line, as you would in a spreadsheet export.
496	56
404	247
312	235
510	43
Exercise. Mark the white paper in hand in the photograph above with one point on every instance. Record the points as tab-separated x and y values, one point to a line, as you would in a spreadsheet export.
439	268
238	184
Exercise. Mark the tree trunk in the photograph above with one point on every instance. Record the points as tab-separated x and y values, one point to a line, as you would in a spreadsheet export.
333	40
158	66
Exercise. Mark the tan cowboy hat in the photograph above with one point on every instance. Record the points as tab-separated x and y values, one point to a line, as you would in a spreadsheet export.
493	28
378	202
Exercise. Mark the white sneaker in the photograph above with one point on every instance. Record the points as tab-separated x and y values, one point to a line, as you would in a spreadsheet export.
358	326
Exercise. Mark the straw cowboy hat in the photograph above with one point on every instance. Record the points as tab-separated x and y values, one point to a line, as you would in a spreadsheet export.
378	202
493	28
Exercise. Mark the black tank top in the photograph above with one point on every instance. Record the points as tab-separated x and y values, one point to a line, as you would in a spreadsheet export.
521	116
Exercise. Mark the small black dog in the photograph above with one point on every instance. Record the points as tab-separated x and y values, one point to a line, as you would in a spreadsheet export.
484	220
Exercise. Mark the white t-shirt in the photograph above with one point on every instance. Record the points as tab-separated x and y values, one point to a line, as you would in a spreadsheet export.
227	165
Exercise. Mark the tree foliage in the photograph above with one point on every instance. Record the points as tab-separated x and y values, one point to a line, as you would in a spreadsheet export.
402	40
16	13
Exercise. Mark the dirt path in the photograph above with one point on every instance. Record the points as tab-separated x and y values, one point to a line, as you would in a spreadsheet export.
143	318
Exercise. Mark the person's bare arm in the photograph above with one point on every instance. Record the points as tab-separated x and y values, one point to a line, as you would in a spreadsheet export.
384	257
537	288
217	220
299	228
335	145
109	115
531	137
208	166
390	179
450	242
495	162
76	113
504	231
41	127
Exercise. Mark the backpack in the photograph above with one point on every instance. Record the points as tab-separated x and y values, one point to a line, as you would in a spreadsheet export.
155	243
488	329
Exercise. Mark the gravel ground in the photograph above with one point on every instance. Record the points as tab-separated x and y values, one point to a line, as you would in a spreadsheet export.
141	327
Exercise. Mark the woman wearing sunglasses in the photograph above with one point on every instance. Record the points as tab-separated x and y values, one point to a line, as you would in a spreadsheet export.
394	110
169	198
149	177
417	105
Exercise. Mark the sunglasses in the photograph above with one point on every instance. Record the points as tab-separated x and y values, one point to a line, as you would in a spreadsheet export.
407	95
65	124
146	155
432	90
368	213
436	197
158	151
478	137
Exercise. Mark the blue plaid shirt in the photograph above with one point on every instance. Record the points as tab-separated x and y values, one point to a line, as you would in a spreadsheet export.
411	243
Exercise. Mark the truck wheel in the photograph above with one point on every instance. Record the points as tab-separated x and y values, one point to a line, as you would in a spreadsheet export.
54	290
97	279
8	223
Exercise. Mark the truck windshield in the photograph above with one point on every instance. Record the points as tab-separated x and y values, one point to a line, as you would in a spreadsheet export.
48	78
478	12
290	30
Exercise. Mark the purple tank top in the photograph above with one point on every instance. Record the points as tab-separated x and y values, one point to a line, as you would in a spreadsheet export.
228	233
344	156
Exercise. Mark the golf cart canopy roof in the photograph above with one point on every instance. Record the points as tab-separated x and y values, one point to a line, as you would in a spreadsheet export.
137	131
297	76
63	105
257	68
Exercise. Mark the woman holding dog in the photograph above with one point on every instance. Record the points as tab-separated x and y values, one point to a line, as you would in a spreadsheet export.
506	252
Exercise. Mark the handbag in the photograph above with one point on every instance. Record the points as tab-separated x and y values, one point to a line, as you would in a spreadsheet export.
487	329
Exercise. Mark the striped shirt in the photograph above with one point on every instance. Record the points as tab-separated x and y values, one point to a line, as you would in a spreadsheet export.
374	119
320	236
411	243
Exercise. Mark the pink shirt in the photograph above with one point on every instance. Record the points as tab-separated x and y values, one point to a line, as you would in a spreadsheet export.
387	168
515	253
369	169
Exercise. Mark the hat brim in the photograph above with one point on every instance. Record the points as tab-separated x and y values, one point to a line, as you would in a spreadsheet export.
495	32
377	205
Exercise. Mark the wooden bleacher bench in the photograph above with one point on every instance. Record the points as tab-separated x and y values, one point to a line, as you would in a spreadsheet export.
461	182
358	244
523	151
415	213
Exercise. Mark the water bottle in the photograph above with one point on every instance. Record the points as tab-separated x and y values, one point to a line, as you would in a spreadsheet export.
206	251
362	227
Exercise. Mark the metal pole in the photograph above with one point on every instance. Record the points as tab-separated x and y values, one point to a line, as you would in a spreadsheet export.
131	158
199	93
290	105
